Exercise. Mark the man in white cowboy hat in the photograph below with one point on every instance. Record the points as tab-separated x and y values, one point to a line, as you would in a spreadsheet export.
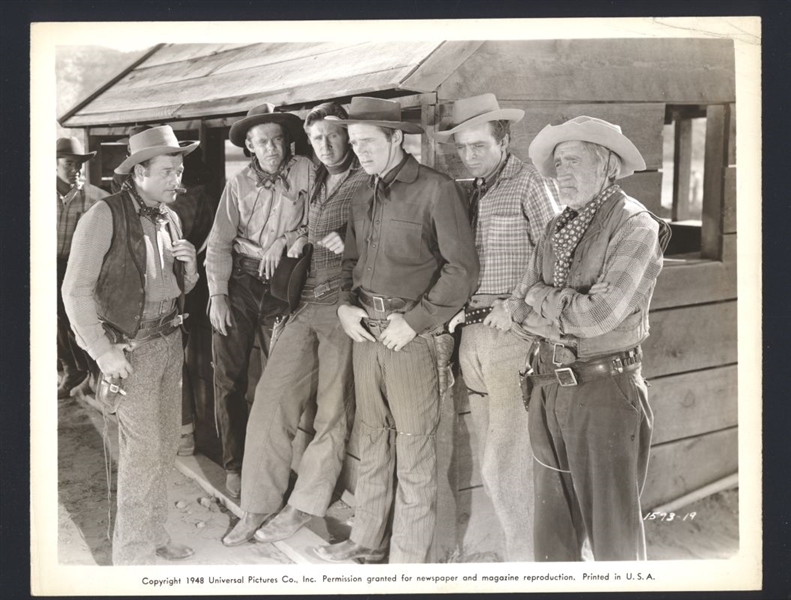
125	282
262	212
586	297
313	361
409	265
75	197
510	205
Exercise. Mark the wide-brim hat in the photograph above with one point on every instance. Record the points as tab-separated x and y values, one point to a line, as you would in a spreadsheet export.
290	276
584	129
378	112
265	114
71	146
150	143
469	112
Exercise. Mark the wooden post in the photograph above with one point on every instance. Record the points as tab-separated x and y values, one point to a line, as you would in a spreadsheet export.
717	129
682	171
428	143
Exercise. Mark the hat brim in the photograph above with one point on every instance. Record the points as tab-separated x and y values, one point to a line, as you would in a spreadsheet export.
146	153
504	114
404	126
82	157
542	148
238	133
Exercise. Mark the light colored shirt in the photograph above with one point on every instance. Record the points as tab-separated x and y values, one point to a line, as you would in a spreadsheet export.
72	205
92	240
251	217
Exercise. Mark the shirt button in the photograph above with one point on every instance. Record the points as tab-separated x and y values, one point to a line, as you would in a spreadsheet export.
374	245
368	269
377	222
137	317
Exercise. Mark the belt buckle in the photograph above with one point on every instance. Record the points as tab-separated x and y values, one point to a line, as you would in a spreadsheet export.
379	303
566	377
555	361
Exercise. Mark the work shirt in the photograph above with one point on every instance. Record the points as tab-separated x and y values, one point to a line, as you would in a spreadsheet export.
92	239
512	215
632	262
409	237
329	212
251	217
73	203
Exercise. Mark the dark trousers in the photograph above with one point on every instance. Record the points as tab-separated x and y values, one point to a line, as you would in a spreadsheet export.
590	443
71	356
253	311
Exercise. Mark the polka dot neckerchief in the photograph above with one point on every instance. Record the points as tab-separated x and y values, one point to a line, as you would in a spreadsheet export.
569	229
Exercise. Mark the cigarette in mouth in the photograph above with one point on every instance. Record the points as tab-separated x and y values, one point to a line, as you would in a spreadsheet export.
180	190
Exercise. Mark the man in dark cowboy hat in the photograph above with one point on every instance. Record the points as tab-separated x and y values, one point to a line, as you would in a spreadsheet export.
74	199
313	360
262	212
129	268
510	205
586	297
409	265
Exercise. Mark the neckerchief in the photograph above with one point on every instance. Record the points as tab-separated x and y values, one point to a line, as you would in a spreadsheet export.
343	165
268	180
152	213
480	186
569	229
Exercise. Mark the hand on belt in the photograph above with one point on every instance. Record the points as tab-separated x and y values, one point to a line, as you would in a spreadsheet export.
251	266
569	376
476	315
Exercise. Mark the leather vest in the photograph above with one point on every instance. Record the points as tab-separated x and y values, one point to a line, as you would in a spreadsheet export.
120	290
588	263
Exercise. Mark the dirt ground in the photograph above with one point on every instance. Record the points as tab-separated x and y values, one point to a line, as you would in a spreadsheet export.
710	530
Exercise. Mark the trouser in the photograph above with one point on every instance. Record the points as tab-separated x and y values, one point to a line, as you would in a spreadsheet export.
490	362
253	311
71	356
148	433
312	359
398	414
591	443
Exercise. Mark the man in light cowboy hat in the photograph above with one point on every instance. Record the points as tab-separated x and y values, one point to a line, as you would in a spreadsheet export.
586	297
409	264
312	363
74	198
262	212
510	205
127	275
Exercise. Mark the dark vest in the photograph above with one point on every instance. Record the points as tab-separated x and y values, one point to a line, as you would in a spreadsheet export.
120	291
587	265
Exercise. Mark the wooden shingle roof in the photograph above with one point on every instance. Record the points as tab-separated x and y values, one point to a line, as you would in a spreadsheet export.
181	81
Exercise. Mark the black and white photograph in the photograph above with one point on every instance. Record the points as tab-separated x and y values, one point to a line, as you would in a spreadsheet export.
338	310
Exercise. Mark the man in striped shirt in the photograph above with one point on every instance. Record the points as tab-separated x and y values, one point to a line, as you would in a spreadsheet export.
510	205
586	297
74	198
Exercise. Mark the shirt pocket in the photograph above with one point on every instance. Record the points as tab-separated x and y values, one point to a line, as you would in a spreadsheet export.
507	234
402	238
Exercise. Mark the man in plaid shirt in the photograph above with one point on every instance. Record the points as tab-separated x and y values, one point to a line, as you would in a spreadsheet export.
510	205
312	361
74	200
586	295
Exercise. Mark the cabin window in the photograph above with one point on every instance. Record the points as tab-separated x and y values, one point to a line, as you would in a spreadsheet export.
683	155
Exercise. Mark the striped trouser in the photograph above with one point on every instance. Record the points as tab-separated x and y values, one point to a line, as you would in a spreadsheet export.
149	420
398	413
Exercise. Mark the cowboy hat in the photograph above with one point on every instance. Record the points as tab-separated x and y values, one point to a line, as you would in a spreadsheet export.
584	129
265	114
378	112
468	112
71	146
290	276
150	143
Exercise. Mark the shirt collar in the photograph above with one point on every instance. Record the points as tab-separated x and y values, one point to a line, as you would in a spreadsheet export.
405	171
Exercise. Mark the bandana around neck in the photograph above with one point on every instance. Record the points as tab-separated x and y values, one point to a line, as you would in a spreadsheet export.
569	229
268	180
152	213
342	165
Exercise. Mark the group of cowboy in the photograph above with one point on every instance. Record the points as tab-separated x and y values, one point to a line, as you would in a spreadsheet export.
552	307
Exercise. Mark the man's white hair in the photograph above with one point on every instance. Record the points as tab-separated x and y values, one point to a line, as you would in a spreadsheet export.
602	155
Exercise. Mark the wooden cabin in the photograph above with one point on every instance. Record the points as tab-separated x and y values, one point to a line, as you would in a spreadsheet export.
664	93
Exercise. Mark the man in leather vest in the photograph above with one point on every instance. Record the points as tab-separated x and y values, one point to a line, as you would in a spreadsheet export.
586	296
262	212
510	205
312	362
127	275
